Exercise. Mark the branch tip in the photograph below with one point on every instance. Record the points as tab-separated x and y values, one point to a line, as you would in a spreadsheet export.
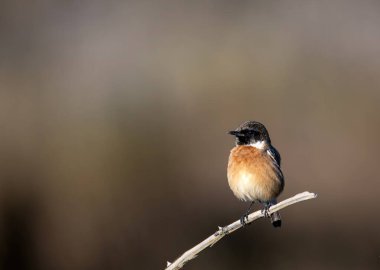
222	231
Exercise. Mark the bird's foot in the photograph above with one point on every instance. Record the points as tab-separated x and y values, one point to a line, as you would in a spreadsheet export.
265	211
244	219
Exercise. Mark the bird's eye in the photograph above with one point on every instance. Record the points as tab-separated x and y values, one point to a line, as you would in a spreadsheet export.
255	133
249	133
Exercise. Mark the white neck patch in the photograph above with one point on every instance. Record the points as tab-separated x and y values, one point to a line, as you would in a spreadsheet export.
258	144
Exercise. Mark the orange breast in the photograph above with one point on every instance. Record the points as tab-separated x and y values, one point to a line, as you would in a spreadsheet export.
253	175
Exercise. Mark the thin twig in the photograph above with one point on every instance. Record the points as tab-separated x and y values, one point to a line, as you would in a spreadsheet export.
222	231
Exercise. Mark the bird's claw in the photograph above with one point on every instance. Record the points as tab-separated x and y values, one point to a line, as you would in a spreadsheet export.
265	211
244	219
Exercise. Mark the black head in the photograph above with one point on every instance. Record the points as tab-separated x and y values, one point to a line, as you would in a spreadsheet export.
251	132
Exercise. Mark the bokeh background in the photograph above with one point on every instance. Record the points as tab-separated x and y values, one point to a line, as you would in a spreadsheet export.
113	144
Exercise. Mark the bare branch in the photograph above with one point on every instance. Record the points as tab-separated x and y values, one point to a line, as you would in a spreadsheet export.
222	231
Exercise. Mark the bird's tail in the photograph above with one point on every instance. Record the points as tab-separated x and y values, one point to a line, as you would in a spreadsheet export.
275	218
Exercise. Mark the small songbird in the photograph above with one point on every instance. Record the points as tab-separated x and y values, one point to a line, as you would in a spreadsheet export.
254	172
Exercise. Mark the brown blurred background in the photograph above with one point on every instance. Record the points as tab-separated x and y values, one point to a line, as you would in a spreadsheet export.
113	144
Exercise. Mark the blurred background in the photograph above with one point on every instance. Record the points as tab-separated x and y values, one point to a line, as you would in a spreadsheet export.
113	144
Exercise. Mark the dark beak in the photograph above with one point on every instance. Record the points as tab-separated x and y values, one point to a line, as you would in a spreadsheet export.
235	133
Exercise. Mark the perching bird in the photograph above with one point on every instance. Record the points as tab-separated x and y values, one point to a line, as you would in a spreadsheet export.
254	172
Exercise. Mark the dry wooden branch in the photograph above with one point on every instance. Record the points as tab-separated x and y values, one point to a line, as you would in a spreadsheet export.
222	231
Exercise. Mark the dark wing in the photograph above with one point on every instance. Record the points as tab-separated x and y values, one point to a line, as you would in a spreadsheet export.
275	155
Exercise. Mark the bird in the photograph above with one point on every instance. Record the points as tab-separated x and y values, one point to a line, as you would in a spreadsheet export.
254	169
